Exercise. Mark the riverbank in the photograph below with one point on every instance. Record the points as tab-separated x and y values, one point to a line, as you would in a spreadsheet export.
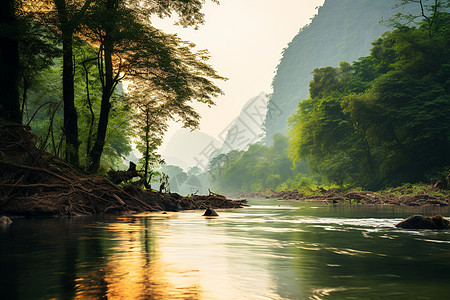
35	183
409	195
59	199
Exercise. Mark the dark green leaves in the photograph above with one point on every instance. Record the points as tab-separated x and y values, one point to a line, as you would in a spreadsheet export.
384	120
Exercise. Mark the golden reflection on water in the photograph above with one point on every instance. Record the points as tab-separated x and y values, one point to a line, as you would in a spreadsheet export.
263	252
213	260
133	269
168	260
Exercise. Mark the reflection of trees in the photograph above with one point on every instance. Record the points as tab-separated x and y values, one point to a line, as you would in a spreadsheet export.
79	259
126	264
120	262
90	276
69	260
150	257
38	259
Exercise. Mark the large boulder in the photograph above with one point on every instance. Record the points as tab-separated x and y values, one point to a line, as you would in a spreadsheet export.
421	222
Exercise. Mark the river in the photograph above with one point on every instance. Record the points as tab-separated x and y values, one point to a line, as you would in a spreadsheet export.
270	250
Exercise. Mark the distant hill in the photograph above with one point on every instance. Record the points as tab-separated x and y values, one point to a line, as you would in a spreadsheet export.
188	149
343	30
248	128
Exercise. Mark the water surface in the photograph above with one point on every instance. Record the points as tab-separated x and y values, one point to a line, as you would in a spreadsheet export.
270	250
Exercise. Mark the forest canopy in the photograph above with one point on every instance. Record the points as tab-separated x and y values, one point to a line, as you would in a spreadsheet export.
90	76
378	122
385	119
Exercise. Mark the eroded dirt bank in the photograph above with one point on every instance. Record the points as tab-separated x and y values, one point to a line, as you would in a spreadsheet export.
35	183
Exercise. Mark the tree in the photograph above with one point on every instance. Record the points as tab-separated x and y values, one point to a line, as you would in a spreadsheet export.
150	130
9	63
66	18
161	65
428	13
37	53
69	18
112	26
388	122
259	168
109	80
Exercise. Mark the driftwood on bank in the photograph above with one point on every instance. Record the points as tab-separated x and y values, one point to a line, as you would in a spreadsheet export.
176	202
334	196
373	198
118	177
32	182
287	195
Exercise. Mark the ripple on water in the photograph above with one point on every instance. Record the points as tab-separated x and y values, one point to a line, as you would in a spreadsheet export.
280	250
318	294
436	241
274	207
352	252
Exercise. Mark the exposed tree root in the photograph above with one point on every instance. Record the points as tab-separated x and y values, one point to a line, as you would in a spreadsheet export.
32	182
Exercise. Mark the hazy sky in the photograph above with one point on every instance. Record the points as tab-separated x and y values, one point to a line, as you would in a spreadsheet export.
245	39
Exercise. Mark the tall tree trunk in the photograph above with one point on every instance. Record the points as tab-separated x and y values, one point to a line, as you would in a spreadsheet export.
108	88
91	110
9	64
70	112
147	145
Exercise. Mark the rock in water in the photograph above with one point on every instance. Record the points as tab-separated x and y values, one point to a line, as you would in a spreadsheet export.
5	221
421	222
210	213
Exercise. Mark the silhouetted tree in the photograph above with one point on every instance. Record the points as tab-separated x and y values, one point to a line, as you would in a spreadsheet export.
9	63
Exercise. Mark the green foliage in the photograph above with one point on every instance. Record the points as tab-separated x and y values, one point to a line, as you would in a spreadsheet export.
43	111
165	75
408	189
341	31
427	12
385	119
299	182
257	169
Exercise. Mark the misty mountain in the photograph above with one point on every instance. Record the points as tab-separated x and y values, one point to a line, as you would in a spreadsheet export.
188	149
248	127
343	30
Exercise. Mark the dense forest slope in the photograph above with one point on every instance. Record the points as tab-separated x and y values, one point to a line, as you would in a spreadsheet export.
377	122
343	30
